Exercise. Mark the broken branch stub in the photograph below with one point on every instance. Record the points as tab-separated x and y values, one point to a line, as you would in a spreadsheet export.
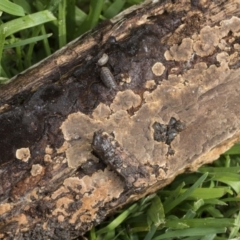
127	166
173	106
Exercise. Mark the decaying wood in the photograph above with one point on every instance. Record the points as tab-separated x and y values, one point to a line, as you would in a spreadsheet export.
73	150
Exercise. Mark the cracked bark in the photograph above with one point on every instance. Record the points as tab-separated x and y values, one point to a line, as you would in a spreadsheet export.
73	150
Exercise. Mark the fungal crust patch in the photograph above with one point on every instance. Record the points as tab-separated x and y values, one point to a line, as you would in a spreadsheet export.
23	154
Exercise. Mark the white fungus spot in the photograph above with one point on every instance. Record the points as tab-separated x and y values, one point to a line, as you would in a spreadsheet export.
158	69
36	169
23	154
150	84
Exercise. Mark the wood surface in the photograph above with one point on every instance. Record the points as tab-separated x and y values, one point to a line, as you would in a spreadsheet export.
75	146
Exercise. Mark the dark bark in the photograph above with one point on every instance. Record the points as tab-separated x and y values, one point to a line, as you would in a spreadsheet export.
78	141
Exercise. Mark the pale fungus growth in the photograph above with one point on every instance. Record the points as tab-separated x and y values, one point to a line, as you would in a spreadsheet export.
182	52
236	46
47	158
60	218
234	58
222	57
208	40
126	79
125	100
36	169
232	24
223	45
102	111
158	69
65	145
23	154
48	150
150	84
78	154
104	185
5	207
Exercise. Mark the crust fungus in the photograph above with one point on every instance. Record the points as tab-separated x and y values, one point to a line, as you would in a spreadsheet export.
5	207
126	78
222	58
158	69
232	24
150	84
125	100
48	150
47	158
36	169
102	111
208	40
104	187
78	154
183	52
23	154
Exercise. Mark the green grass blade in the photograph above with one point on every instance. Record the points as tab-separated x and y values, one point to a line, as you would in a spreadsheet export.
151	232
92	234
190	232
70	19
219	169
20	43
25	22
212	211
53	5
208	193
155	213
80	16
199	222
118	220
11	8
25	4
209	237
114	8
28	61
2	39
235	230
3	80
62	35
168	206
233	150
19	59
92	18
197	204
231	179
45	41
173	194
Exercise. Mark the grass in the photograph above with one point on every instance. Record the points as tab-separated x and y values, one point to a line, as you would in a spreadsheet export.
203	205
31	30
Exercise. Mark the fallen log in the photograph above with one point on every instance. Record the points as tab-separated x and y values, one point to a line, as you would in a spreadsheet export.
82	137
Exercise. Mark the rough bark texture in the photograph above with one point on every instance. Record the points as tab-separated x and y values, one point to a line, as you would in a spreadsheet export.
77	144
